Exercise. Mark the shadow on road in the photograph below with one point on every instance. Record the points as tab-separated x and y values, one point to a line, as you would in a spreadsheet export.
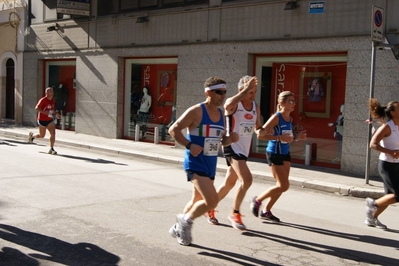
50	249
336	251
237	258
2	142
13	142
90	159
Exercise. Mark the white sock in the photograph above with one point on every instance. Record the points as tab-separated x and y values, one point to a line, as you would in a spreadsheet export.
187	218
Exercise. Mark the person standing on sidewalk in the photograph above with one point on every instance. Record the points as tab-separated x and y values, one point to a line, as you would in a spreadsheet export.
205	126
386	141
243	117
278	155
46	109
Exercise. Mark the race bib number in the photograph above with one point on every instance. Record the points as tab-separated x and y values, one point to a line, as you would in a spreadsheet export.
211	146
286	132
246	129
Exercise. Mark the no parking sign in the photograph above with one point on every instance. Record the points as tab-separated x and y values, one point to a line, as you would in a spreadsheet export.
377	24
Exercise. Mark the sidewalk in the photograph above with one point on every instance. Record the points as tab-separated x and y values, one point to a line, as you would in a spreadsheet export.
312	177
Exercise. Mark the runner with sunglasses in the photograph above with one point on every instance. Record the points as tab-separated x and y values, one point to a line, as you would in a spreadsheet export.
243	118
205	125
278	155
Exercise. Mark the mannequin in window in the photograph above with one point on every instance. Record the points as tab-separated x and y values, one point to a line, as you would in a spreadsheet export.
60	96
339	130
144	110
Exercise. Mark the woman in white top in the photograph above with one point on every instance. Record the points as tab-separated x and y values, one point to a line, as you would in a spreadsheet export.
386	141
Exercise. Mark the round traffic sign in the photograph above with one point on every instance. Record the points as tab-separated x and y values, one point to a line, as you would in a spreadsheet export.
378	18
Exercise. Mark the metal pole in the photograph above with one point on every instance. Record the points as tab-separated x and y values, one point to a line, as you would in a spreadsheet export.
156	135
367	172
308	153
137	133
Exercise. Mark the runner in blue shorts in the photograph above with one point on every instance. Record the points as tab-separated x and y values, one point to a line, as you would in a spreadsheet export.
243	118
278	155
205	125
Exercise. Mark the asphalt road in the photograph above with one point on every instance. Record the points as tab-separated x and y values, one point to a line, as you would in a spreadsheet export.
86	208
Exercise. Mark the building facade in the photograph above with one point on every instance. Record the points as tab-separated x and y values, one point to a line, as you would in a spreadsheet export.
12	25
101	54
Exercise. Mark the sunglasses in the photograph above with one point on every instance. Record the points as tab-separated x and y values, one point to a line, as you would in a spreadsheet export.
292	101
220	92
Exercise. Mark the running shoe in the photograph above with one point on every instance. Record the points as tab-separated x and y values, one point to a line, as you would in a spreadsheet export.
52	151
173	230
370	208
183	231
211	218
254	205
268	216
236	222
30	137
375	223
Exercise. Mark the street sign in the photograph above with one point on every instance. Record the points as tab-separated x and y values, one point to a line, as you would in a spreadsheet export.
377	24
316	7
74	7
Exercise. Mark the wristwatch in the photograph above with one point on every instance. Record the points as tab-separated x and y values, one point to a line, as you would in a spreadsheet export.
188	145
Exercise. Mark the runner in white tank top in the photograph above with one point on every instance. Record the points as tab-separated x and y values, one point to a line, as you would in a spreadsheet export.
243	122
244	114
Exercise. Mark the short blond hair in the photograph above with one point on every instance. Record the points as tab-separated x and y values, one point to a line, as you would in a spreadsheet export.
282	97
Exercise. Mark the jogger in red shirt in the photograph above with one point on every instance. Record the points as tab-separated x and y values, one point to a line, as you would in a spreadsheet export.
46	109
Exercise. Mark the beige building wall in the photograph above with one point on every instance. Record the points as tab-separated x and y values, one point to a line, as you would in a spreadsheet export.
11	47
209	41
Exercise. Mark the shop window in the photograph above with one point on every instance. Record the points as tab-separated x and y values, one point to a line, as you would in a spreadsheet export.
61	75
150	99
318	84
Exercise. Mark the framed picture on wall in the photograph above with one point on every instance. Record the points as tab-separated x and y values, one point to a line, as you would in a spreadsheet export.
315	94
166	88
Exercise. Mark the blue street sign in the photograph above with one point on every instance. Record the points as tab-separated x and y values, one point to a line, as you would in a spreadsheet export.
316	7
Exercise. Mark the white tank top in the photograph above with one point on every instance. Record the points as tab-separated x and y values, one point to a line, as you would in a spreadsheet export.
243	122
391	142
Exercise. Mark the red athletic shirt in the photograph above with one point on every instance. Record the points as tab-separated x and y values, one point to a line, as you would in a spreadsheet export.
46	105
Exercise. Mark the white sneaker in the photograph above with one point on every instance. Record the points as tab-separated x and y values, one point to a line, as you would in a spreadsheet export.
375	223
52	151
370	208
183	231
173	230
30	137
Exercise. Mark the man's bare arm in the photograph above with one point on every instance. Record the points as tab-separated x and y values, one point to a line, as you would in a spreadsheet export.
231	103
